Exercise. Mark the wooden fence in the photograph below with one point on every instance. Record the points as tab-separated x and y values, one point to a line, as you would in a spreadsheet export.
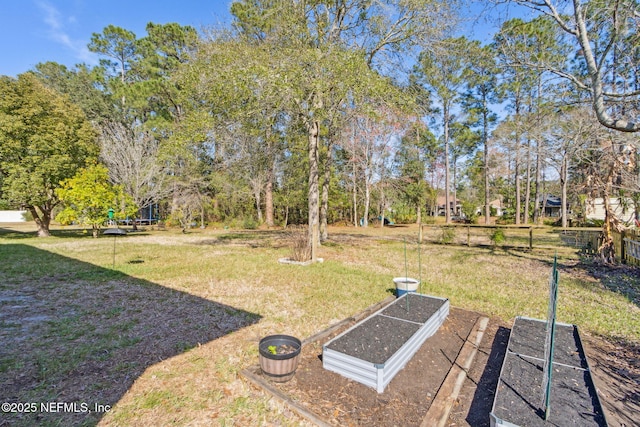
588	240
629	243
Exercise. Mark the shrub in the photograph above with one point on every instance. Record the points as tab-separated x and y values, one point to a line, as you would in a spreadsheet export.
249	223
448	234
298	237
497	236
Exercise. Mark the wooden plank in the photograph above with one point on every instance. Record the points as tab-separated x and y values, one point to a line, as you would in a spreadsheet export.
440	408
259	382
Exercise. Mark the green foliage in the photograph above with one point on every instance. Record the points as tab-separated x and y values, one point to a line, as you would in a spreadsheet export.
81	85
88	196
249	223
497	236
44	139
448	234
404	214
469	211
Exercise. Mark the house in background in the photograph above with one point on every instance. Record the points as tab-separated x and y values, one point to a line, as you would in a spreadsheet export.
552	206
454	210
623	208
497	206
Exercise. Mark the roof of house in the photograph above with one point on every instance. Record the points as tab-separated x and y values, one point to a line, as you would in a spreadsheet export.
552	201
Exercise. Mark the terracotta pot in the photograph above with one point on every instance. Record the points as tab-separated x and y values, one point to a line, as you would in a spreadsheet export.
281	366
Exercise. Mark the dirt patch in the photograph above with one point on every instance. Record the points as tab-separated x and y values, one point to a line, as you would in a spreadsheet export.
327	397
340	401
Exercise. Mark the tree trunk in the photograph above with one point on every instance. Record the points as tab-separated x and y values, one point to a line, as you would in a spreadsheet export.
286	216
538	196
607	249
516	167
314	213
382	206
455	180
257	193
324	208
42	221
447	212
527	196
268	200
564	176
485	137
268	191
355	196
367	201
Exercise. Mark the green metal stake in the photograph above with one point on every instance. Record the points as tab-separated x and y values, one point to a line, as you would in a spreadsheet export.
420	266
405	257
406	274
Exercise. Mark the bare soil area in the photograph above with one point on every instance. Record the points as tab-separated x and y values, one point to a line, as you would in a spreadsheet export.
327	397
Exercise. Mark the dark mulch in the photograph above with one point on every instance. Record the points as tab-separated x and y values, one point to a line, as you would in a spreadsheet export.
405	401
336	400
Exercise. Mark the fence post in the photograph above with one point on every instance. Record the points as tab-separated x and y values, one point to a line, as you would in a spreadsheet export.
468	235
623	255
530	238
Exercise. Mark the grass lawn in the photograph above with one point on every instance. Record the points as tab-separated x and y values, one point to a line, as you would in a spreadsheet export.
157	325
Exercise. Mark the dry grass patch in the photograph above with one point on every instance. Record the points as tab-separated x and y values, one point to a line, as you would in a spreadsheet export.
163	335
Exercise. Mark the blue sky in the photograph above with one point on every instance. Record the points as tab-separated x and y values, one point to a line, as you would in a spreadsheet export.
33	31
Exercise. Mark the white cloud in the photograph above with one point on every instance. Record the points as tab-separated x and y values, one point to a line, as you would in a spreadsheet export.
52	16
57	32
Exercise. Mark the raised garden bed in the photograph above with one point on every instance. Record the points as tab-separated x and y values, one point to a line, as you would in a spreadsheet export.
374	350
518	400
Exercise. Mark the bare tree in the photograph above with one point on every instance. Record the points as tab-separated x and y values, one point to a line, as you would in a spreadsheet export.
606	37
131	155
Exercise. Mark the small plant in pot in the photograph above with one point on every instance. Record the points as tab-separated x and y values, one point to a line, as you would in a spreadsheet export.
279	356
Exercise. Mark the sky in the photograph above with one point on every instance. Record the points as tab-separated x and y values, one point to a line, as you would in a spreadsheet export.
34	31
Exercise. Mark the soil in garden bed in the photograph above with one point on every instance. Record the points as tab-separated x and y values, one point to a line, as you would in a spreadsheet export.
405	401
573	394
380	337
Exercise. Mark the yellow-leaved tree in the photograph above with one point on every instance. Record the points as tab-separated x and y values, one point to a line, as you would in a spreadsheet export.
88	197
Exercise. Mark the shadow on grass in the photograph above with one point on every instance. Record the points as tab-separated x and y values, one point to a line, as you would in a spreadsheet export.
80	335
483	397
621	279
74	233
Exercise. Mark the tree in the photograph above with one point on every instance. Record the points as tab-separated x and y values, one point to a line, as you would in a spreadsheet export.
44	139
569	133
88	197
132	158
519	42
464	142
119	47
443	71
81	85
410	161
481	80
606	38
